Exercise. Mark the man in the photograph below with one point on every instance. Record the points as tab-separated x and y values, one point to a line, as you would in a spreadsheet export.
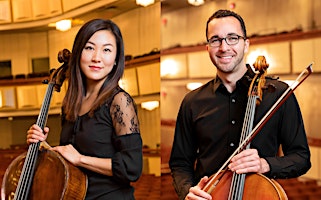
210	119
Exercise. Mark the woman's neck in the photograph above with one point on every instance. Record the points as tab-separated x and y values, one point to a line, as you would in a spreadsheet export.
93	87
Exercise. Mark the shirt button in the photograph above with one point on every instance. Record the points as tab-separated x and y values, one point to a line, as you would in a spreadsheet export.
233	121
232	144
233	100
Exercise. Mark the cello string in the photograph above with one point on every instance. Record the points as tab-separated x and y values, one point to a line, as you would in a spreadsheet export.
241	177
235	178
33	149
249	128
275	106
24	183
31	166
302	76
232	188
211	184
24	174
238	180
45	107
235	181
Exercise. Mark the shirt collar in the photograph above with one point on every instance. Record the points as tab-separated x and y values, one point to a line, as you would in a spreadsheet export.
245	80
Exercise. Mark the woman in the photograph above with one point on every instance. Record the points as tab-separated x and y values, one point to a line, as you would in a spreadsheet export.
100	128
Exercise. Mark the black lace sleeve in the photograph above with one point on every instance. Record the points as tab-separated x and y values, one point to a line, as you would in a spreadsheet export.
127	162
124	114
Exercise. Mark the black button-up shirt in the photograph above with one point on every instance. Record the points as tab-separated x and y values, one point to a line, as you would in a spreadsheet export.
209	126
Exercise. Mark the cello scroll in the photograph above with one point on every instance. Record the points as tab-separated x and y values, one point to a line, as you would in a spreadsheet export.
59	75
213	185
41	173
261	66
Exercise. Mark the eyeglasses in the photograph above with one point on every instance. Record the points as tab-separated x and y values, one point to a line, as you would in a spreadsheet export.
230	40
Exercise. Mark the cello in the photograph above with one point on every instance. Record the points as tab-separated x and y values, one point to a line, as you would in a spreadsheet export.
41	173
228	185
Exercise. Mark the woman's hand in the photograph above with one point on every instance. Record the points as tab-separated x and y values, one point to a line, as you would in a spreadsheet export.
69	153
36	134
197	193
248	161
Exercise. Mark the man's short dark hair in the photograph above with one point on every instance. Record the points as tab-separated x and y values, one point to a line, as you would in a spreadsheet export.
226	13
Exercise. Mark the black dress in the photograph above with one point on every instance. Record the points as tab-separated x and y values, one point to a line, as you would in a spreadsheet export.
96	136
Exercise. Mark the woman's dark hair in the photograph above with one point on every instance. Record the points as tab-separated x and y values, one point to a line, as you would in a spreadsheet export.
226	13
76	82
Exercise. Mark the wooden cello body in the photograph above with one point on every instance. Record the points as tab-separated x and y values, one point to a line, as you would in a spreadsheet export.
54	178
256	186
232	186
41	173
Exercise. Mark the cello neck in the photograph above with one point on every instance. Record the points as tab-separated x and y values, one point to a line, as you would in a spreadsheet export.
28	170
43	114
238	180
56	79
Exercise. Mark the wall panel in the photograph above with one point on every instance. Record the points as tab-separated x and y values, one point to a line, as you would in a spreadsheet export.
200	65
277	56
302	54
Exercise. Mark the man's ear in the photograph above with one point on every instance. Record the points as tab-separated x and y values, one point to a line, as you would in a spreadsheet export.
247	45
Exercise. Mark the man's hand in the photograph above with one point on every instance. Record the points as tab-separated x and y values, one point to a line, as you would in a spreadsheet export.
248	161
196	192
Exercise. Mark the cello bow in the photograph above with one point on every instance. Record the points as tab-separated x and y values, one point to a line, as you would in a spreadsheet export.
214	180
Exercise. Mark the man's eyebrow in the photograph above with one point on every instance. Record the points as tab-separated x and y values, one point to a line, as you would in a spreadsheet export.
232	34
229	34
214	36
